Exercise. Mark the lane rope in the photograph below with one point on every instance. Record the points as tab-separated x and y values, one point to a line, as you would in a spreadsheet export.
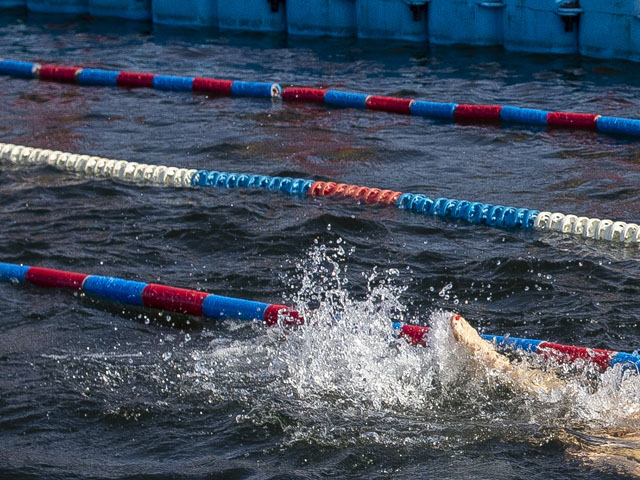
496	216
202	304
462	113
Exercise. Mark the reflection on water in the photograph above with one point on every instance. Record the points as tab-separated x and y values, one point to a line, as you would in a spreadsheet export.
340	396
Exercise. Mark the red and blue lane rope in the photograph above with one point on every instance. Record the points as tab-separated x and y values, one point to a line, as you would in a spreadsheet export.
109	78
151	295
466	113
217	307
461	113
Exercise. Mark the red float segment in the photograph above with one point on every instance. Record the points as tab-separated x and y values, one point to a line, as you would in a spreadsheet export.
174	299
389	104
414	334
570	353
586	121
48	277
329	188
59	74
389	197
289	315
363	194
304	94
317	189
375	195
135	79
372	195
477	113
352	191
212	85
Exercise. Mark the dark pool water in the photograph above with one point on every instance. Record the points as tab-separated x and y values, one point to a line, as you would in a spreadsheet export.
91	390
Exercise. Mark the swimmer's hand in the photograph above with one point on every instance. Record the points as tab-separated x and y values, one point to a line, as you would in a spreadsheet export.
467	336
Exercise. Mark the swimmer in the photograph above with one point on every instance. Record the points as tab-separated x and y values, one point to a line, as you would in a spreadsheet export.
611	451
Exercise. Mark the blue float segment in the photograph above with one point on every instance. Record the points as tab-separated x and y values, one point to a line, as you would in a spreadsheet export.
625	126
417	203
523	115
433	109
128	292
626	360
292	186
346	99
473	212
303	186
170	82
12	272
525	344
16	68
94	76
219	307
254	89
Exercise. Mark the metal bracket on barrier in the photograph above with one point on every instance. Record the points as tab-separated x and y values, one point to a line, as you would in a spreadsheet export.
497	4
570	14
417	11
417	7
275	4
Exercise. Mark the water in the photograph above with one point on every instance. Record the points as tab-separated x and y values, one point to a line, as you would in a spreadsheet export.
91	390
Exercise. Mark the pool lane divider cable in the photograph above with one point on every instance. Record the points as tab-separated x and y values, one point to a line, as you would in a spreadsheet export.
110	78
202	304
479	213
462	113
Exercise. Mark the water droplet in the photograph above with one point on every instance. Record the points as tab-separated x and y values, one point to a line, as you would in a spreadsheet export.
445	289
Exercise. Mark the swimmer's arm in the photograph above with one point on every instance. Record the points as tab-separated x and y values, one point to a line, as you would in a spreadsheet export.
518	376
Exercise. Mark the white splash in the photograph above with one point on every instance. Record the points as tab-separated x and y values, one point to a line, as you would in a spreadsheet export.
343	377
